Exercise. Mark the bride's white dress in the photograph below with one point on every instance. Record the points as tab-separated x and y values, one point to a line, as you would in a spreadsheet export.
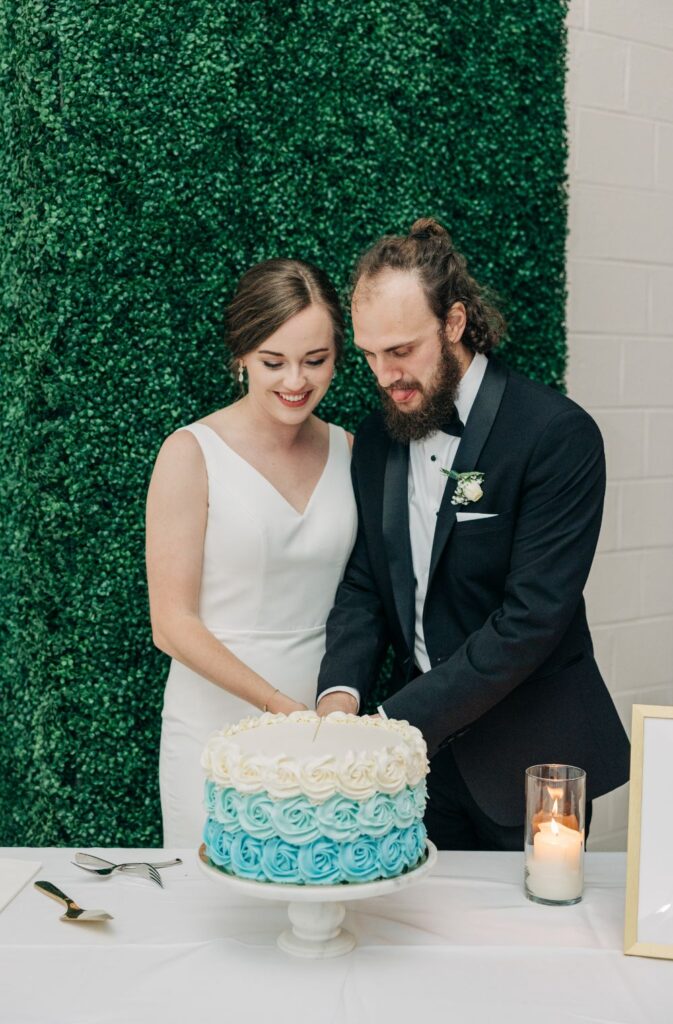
268	583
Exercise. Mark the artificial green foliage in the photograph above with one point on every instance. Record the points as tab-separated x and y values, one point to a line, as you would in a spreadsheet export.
153	151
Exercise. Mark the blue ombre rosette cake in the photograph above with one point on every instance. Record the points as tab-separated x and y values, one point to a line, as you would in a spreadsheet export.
302	800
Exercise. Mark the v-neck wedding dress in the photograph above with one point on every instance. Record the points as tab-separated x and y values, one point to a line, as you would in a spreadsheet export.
268	582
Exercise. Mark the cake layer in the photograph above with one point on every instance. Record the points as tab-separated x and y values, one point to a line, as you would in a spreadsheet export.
299	820
303	800
320	862
287	756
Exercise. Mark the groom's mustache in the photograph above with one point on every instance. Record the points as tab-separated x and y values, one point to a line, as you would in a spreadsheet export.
402	385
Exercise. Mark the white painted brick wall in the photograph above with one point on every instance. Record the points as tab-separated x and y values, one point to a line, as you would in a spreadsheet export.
620	322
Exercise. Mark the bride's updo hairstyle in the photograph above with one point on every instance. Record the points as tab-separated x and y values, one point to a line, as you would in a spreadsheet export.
428	252
269	294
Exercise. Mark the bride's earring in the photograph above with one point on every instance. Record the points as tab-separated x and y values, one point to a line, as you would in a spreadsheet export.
241	374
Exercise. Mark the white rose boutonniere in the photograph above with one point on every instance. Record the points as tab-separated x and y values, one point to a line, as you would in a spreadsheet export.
468	488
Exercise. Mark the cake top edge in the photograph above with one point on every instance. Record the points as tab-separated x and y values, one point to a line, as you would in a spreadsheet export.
399	729
322	758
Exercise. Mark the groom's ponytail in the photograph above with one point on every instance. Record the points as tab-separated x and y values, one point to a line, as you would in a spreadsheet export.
426	227
429	252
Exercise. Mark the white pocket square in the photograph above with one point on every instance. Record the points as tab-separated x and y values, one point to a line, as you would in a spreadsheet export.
462	517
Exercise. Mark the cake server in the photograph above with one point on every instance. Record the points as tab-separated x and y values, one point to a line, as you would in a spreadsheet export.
73	911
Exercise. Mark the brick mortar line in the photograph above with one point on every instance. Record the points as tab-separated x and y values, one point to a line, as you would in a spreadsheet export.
610	185
628	39
639	620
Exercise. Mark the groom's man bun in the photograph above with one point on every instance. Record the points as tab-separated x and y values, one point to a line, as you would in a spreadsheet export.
428	251
426	228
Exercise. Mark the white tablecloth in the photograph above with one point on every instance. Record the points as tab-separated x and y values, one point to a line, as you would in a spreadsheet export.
463	947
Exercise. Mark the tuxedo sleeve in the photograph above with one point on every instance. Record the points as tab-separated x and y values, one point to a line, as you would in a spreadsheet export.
557	527
356	634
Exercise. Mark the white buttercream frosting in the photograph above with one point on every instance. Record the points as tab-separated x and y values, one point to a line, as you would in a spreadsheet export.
303	754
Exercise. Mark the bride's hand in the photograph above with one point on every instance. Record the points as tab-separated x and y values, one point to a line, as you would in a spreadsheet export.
281	704
296	706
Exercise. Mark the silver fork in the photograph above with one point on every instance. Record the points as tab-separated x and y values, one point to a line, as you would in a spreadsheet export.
147	871
90	860
141	870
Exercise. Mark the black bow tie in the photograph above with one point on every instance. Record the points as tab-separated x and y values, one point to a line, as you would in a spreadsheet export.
454	425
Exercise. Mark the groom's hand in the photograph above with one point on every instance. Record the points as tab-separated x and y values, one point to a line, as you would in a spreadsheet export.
337	702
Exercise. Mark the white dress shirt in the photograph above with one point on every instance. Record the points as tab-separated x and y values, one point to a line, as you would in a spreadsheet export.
427	458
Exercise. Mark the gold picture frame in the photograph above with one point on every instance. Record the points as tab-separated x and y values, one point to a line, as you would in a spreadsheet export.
648	925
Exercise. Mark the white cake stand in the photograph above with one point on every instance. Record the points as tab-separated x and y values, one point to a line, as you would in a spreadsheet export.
316	911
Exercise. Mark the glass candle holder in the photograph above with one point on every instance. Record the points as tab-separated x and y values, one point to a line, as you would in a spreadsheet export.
554	836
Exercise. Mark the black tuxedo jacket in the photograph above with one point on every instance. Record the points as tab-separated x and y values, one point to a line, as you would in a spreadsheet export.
513	681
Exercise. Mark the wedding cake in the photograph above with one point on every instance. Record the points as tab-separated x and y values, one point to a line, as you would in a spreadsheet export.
303	800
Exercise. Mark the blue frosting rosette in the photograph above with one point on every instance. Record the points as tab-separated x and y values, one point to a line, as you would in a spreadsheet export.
337	818
415	842
280	861
227	804
420	795
210	830
359	861
246	856
319	862
254	815
295	820
406	811
218	843
209	797
392	854
375	815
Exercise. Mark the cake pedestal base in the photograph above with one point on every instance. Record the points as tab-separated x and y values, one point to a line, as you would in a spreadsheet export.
317	911
316	931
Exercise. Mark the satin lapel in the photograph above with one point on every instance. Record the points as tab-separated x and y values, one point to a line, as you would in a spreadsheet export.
396	537
477	429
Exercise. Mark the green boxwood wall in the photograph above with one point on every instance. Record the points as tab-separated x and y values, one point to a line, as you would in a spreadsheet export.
151	152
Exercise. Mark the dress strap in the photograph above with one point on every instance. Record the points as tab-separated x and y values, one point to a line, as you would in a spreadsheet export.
341	445
209	443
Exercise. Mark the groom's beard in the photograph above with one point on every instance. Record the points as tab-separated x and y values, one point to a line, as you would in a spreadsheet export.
439	399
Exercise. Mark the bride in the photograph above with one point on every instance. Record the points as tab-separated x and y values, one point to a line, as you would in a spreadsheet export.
250	521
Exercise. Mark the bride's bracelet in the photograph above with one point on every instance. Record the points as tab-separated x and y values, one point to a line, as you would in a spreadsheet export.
265	706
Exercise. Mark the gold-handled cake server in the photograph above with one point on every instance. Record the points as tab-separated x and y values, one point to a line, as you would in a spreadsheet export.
73	911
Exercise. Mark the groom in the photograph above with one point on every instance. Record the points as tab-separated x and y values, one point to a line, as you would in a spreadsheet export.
480	496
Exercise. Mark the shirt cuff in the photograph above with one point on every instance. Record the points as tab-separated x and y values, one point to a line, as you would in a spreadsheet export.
342	689
382	712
